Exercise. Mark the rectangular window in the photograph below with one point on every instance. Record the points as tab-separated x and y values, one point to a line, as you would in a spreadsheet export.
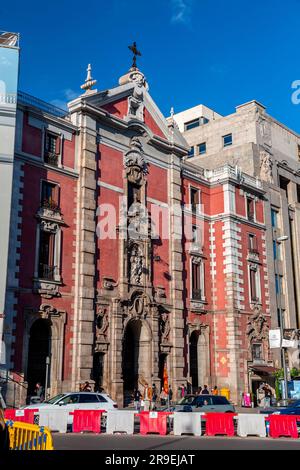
274	218
279	284
46	255
51	153
250	208
50	195
227	140
252	243
194	200
191	152
192	124
198	281
284	184
202	148
257	354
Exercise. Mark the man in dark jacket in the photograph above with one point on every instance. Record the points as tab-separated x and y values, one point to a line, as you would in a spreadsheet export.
205	390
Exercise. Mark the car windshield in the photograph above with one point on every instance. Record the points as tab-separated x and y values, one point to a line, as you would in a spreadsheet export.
54	399
186	400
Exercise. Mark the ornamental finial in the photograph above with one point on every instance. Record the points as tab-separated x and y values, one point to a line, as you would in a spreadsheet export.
89	82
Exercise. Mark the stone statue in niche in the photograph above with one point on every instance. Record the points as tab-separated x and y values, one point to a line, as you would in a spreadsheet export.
266	167
102	322
135	265
165	327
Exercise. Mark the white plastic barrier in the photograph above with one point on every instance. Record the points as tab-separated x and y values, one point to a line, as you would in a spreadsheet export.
187	423
56	420
251	425
120	421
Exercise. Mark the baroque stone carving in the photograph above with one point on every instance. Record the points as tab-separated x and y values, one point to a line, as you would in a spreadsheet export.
46	311
135	264
49	226
165	327
266	167
102	326
134	161
139	306
45	289
265	130
108	283
135	101
257	326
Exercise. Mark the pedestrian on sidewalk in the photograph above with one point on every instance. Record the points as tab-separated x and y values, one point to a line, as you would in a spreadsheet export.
154	397
215	391
137	399
205	390
170	394
163	397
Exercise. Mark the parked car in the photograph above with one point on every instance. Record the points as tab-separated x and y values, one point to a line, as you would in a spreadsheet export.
292	408
76	401
204	404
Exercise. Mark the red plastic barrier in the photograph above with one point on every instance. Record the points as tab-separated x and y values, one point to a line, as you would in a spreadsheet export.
25	416
153	422
283	425
87	420
220	423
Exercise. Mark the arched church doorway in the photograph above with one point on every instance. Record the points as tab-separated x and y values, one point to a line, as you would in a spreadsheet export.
136	360
198	359
39	349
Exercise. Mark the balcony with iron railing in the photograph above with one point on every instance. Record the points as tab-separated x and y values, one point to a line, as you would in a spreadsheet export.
51	158
48	272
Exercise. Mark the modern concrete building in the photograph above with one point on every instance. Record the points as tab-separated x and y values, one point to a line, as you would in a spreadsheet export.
254	142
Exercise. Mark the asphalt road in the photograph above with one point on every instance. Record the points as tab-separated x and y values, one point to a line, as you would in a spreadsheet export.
161	443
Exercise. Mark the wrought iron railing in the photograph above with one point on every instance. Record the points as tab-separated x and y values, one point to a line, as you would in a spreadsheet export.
51	158
47	272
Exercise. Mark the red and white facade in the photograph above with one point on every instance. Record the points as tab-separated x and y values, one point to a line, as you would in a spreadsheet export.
125	257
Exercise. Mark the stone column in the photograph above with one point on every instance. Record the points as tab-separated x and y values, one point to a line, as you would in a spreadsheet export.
85	254
177	338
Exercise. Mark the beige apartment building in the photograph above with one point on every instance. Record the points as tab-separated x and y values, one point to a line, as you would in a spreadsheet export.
259	145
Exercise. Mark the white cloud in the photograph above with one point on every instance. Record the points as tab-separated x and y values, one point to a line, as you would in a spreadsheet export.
181	11
68	95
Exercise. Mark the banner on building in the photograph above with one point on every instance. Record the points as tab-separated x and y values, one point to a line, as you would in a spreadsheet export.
274	338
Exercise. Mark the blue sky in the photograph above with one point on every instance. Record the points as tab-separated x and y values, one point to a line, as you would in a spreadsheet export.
220	53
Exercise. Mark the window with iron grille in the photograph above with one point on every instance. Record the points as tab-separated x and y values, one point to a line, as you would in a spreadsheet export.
50	195
46	255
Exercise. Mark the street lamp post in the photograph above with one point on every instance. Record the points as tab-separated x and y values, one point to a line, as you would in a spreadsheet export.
47	375
283	361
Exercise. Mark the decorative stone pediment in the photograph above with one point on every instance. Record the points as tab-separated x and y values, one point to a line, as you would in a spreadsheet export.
46	289
47	311
197	306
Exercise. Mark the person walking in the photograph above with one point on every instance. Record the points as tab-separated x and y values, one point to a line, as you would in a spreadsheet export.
154	397
215	391
205	390
170	394
163	397
87	387
137	399
147	397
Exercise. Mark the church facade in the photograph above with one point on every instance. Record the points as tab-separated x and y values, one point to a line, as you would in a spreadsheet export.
126	259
